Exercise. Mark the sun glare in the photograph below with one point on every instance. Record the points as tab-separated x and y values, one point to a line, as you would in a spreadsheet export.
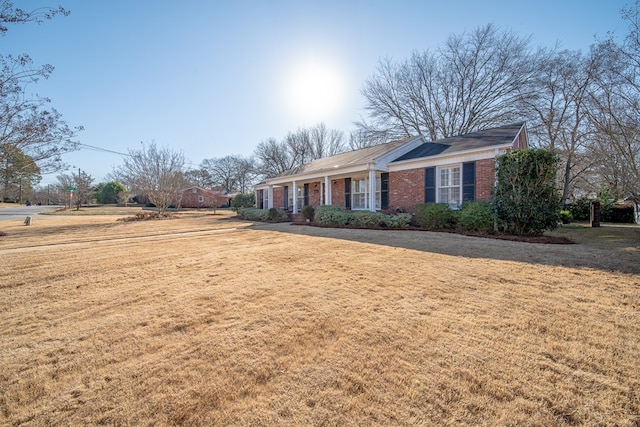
315	91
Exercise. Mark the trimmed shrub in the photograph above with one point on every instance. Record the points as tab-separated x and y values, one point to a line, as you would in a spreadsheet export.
565	216
241	201
332	215
253	214
335	216
476	216
367	219
308	212
400	220
526	199
273	214
434	216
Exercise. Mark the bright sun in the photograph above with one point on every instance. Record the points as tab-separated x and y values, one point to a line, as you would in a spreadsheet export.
315	91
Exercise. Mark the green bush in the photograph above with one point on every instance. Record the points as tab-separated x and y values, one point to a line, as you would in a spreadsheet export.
580	209
526	200
476	216
253	214
400	220
434	216
566	216
332	215
367	219
243	201
308	212
273	214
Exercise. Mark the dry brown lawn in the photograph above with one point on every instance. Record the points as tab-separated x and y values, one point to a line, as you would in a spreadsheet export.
206	320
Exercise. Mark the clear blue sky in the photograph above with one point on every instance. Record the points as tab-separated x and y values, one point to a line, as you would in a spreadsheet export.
214	78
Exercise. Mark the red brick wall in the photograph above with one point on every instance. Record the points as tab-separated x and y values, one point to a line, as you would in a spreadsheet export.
315	193
485	179
190	199
337	192
278	197
406	188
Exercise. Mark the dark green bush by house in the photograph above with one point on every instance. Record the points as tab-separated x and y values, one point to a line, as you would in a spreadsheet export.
308	212
434	216
476	216
526	200
243	201
255	214
335	216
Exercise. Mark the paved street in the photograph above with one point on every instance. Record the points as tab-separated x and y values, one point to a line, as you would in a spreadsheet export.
20	212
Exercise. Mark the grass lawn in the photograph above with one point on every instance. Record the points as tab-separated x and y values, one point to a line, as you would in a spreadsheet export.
207	320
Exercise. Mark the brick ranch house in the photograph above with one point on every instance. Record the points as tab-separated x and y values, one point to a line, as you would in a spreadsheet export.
197	197
397	175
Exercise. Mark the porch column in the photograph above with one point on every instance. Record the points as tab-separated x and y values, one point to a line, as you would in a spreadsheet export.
327	191
270	196
295	197
372	190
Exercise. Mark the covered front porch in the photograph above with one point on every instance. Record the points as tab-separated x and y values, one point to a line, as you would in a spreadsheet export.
363	190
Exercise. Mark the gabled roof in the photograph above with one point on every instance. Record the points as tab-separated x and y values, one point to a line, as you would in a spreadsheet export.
503	135
362	156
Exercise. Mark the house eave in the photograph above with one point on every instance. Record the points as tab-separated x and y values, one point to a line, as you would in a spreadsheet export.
481	153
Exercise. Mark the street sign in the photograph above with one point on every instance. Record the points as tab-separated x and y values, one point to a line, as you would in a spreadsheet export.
72	188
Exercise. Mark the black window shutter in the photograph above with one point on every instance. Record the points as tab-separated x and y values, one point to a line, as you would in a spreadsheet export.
384	191
469	182
306	195
261	201
286	197
347	193
430	185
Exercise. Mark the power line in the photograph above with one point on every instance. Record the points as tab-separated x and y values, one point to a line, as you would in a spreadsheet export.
103	149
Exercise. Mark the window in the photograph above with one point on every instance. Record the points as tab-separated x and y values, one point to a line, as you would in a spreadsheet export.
303	196
288	198
360	193
449	185
200	199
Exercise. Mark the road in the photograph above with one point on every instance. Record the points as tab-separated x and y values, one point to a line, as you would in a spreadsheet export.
21	212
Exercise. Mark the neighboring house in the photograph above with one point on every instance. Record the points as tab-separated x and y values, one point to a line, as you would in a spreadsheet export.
397	175
197	197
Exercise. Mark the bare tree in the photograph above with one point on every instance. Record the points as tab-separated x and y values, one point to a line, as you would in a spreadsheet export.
364	137
615	111
274	157
12	15
246	173
156	173
199	177
470	83
222	171
557	102
325	142
298	148
26	124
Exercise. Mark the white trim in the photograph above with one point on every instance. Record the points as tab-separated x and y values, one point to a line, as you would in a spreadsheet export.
294	188
327	190
439	182
379	163
459	157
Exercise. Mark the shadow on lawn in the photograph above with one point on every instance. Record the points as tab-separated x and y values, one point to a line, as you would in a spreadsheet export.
621	255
